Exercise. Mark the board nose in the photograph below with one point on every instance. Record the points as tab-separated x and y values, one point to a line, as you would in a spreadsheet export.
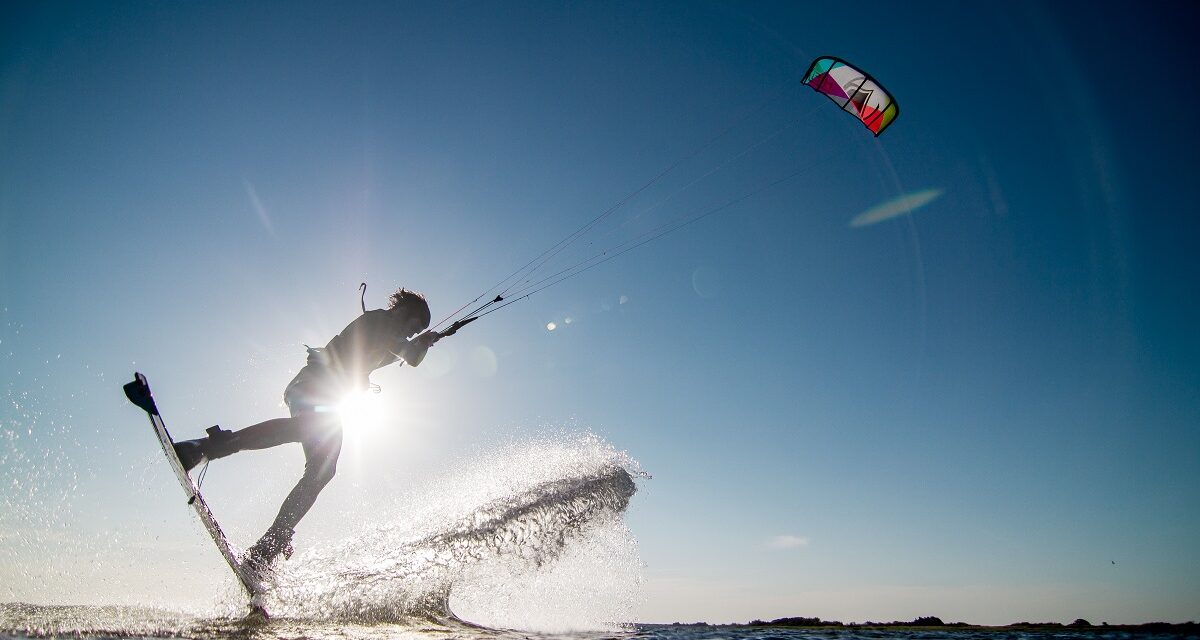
138	393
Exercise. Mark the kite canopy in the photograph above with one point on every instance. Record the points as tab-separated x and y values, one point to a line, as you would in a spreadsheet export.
853	90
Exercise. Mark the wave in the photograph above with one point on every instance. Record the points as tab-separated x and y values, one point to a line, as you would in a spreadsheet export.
390	575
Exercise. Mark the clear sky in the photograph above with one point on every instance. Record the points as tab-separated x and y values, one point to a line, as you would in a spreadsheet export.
984	409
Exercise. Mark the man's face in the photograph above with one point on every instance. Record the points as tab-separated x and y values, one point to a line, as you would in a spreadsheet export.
414	325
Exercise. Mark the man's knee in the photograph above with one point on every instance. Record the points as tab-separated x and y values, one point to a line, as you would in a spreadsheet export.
322	446
318	473
320	459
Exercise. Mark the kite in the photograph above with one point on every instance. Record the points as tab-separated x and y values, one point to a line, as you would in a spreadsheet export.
855	91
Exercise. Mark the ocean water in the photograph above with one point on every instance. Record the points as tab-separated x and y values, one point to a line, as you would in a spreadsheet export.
526	541
26	621
526	536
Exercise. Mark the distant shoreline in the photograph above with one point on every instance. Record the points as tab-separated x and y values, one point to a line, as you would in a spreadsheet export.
933	623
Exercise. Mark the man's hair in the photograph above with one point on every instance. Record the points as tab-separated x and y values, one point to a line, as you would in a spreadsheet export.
410	302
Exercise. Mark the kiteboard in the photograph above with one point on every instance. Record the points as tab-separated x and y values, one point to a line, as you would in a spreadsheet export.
138	393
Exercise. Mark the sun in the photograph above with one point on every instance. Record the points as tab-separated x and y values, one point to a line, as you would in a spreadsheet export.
362	413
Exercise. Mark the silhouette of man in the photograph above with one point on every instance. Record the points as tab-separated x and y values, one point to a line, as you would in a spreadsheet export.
375	339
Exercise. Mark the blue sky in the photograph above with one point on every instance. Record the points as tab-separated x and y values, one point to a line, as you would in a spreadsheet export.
968	411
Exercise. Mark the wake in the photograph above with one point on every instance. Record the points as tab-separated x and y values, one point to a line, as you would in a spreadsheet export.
550	508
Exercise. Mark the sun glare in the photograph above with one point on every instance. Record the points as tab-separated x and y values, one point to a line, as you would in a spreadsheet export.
361	413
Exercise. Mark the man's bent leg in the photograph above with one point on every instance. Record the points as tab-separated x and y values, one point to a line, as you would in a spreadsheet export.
321	454
264	435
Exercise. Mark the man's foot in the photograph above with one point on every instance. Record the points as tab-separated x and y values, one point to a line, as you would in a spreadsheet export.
274	543
190	453
218	444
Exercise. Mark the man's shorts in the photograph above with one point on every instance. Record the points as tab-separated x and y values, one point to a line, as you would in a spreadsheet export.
317	387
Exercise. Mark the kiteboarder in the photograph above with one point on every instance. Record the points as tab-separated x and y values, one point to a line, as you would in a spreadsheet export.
375	339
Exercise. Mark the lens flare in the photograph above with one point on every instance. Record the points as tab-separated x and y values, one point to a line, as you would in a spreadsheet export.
361	413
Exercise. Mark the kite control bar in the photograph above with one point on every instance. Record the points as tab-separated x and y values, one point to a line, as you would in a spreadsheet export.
469	318
458	324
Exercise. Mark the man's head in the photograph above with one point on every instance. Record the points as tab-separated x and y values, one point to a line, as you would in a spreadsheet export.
410	309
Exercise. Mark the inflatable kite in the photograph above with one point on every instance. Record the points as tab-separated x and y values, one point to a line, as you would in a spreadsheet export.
855	91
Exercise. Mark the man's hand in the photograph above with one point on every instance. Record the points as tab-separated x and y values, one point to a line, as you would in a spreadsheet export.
414	351
426	340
